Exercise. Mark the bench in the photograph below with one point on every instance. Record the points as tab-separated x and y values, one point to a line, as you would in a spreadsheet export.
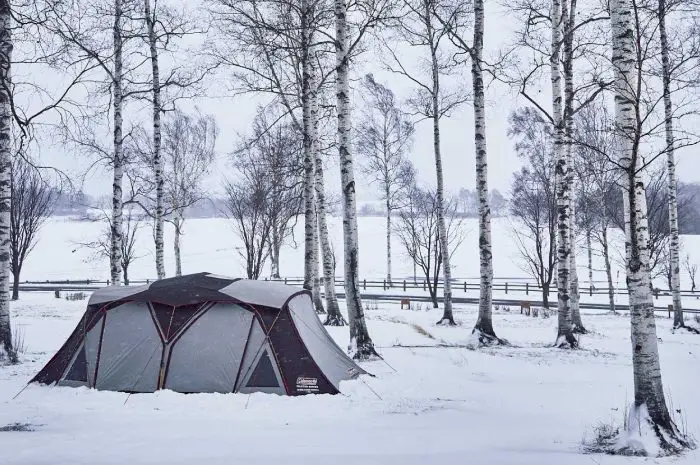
525	308
407	303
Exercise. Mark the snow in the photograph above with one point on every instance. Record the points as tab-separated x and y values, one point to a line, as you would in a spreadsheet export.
432	400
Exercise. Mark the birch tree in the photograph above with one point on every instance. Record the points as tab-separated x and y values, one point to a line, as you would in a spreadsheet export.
565	337
102	34
33	201
594	146
7	352
164	26
157	138
420	29
483	330
533	197
277	148
268	46
308	116
384	137
692	270
548	31
118	160
419	234
189	142
23	104
649	410
674	244
100	247
348	37
333	317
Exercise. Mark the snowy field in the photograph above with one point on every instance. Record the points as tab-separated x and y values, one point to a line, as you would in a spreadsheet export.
428	404
211	245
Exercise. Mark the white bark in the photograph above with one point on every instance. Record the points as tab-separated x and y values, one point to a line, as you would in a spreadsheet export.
484	324
674	242
361	344
115	257
388	235
333	317
307	122
447	316
157	138
565	337
648	386
608	268
178	222
569	21
589	251
7	352
316	291
275	254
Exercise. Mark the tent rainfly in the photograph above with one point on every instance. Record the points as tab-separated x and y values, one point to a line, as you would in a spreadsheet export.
201	333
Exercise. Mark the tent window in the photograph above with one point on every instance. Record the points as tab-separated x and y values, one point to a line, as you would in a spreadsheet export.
78	371
264	374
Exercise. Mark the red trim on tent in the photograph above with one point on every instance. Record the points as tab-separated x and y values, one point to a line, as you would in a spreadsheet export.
204	309
151	310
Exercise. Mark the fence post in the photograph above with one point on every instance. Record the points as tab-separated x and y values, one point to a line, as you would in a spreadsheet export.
527	288
506	287
424	284
285	280
383	284
465	286
404	285
590	290
364	284
670	307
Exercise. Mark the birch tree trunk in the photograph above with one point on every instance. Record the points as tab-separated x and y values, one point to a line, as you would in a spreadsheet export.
118	161
313	135
608	268
157	158
361	345
316	292
388	235
7	352
483	329
649	410
569	20
565	336
177	244
674	243
309	211
333	317
589	251
275	254
447	316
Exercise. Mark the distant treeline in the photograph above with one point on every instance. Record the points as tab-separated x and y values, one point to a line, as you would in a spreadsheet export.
79	204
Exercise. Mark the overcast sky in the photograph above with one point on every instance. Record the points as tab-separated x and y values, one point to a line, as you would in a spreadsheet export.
234	116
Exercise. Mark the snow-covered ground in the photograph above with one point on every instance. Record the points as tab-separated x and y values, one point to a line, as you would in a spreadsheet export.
529	404
211	245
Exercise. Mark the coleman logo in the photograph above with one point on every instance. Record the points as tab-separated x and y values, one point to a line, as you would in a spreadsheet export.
307	384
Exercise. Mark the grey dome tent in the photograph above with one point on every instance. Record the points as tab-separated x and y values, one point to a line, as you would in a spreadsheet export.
201	333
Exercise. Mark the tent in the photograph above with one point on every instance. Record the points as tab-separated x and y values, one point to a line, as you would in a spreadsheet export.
201	333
